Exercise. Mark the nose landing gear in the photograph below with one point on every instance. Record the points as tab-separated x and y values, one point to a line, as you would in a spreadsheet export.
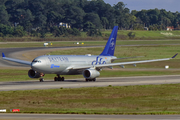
41	79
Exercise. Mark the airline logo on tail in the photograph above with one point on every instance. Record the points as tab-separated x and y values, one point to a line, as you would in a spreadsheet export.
112	44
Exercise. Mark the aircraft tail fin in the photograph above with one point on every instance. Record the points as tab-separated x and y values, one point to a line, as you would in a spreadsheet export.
111	43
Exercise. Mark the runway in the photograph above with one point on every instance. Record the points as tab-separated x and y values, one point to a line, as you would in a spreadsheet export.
78	83
86	117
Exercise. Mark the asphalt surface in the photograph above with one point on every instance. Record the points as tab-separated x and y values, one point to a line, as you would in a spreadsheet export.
86	117
76	83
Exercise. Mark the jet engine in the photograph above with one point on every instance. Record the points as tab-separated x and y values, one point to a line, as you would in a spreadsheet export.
90	73
34	74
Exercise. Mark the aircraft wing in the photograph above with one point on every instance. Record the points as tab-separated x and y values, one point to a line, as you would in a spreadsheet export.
121	63
112	60
16	60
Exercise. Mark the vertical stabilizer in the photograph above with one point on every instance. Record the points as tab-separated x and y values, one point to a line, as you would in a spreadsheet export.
111	43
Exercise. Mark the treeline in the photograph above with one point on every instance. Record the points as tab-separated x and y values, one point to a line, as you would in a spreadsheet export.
38	17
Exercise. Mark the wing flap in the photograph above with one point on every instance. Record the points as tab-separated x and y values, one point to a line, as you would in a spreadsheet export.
112	60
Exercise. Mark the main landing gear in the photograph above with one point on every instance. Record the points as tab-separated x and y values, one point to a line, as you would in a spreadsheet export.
87	80
58	78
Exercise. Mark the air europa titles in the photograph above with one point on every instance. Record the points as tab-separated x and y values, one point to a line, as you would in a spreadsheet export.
57	59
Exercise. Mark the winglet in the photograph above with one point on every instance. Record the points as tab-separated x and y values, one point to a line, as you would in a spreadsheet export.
3	55
175	55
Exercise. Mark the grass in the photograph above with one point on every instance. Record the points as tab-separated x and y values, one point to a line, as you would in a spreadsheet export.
86	43
21	75
149	52
142	99
122	35
140	34
156	51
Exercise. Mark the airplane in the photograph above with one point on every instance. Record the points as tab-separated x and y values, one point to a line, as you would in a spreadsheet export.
86	65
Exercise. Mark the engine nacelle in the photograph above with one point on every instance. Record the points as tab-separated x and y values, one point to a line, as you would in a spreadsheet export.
90	73
33	74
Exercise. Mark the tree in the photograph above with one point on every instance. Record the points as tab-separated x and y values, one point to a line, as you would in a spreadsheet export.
75	32
5	30
56	32
75	17
94	32
19	31
104	22
24	18
94	19
4	17
88	25
40	20
122	15
144	17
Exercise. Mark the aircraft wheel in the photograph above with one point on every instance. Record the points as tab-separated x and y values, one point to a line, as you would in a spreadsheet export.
94	79
59	79
87	80
62	79
41	79
55	79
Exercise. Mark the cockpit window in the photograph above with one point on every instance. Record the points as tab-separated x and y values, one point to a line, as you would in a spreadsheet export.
36	61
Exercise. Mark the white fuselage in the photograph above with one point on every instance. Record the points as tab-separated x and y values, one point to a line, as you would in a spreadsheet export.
62	64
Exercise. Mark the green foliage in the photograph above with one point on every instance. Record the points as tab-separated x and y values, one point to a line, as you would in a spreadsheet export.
5	30
56	32
1	34
4	17
131	35
80	15
60	31
75	32
19	32
34	33
94	32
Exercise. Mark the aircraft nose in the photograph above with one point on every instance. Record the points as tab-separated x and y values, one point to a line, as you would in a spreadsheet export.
37	64
33	65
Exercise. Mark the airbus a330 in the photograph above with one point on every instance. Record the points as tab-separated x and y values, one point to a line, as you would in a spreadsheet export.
87	65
